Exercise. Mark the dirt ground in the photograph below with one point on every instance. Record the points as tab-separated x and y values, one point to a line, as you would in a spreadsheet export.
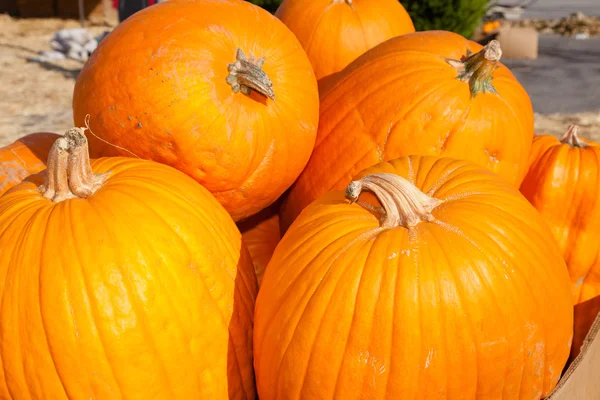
36	97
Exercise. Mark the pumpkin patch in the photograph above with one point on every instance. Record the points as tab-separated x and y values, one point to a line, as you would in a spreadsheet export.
315	204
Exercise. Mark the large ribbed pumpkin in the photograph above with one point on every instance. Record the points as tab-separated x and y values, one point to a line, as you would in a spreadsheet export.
24	157
563	183
220	90
414	95
335	32
453	288
121	279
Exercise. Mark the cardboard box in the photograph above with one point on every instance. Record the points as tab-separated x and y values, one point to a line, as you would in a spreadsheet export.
581	380
515	42
518	42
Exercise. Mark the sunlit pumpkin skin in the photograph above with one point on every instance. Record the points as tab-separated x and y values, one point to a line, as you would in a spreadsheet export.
335	32
465	296
168	85
563	183
142	290
407	96
261	234
24	157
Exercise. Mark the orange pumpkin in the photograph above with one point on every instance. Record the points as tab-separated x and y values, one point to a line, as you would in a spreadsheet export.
334	33
563	184
453	288
261	235
220	90
121	279
412	95
24	157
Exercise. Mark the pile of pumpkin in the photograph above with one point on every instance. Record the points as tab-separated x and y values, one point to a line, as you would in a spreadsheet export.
410	267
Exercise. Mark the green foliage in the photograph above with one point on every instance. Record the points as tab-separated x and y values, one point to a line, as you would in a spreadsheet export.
269	5
460	16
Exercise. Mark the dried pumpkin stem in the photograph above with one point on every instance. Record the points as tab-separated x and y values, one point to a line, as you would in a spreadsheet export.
69	172
404	204
246	75
571	137
477	69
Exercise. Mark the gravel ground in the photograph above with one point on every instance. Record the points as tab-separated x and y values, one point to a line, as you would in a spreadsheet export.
564	83
565	78
34	97
558	8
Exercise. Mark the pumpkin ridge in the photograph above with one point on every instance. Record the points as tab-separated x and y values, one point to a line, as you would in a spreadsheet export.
88	293
16	250
216	305
44	323
578	227
200	217
481	278
463	305
319	287
275	316
508	216
308	296
392	54
512	111
371	245
450	172
142	316
341	118
316	28
347	77
393	335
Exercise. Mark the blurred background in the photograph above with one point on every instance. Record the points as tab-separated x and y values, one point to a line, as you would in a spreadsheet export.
552	46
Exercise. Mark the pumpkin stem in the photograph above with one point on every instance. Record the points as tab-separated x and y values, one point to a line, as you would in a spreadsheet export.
69	172
477	69
571	137
404	204
247	74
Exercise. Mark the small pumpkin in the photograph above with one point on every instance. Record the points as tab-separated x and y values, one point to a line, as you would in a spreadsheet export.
334	33
563	183
121	278
453	287
429	93
261	235
24	157
220	90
